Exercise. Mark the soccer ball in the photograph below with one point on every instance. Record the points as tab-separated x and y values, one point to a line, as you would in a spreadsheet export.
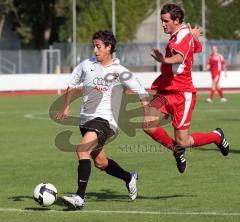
45	194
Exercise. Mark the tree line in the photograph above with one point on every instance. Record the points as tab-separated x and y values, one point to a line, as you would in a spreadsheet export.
39	23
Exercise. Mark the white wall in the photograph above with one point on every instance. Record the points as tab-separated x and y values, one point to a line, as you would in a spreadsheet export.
200	79
18	82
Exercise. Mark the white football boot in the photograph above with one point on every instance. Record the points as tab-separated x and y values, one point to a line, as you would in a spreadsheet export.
223	100
74	201
132	186
209	100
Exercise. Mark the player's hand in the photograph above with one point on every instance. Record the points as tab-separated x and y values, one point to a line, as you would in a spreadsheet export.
196	31
63	114
157	55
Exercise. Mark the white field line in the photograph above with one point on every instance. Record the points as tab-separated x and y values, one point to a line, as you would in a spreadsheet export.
187	213
37	115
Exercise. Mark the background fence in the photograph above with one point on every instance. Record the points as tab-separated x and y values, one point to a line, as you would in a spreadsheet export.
135	56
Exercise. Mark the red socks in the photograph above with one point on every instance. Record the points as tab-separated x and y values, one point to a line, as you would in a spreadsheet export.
161	136
220	92
201	139
212	93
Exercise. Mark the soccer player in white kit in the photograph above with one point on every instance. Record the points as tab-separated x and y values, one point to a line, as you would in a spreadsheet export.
102	79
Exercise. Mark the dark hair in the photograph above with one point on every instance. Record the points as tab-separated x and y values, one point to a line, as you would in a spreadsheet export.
107	37
174	10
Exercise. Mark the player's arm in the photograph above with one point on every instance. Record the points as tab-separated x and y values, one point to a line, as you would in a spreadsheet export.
132	83
72	90
225	69
64	112
196	31
207	67
224	65
158	56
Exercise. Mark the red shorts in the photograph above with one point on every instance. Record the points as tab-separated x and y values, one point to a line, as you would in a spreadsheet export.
179	105
215	77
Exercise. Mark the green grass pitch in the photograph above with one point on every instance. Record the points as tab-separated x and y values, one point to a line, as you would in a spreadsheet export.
207	191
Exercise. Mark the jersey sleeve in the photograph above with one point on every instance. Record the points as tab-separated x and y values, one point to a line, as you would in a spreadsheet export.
183	45
75	79
131	82
209	61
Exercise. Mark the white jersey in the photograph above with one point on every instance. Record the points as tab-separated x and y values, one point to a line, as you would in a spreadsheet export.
102	89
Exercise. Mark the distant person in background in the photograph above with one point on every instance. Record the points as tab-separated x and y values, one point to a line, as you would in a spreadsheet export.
215	64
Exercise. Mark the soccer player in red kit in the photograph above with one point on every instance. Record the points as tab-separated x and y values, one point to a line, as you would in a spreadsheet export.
176	95
216	63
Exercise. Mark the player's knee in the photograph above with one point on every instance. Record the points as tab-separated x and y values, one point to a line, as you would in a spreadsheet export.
82	154
101	163
147	128
181	142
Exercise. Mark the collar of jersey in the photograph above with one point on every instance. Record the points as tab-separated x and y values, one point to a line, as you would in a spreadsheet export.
182	27
115	61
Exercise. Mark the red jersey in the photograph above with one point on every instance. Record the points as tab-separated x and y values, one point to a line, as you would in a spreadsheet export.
216	62
177	77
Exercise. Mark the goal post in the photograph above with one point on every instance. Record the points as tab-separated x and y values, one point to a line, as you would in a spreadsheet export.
51	63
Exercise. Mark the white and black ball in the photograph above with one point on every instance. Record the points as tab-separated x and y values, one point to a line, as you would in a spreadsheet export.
45	194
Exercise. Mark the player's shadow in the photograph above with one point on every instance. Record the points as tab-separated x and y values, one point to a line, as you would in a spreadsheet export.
216	150
20	198
107	194
233	120
37	209
23	198
110	195
102	196
165	197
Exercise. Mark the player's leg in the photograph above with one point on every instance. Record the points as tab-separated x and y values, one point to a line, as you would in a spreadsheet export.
87	144
186	140
183	106
99	157
84	149
183	140
213	88
154	119
217	136
183	109
109	166
197	139
114	169
220	92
